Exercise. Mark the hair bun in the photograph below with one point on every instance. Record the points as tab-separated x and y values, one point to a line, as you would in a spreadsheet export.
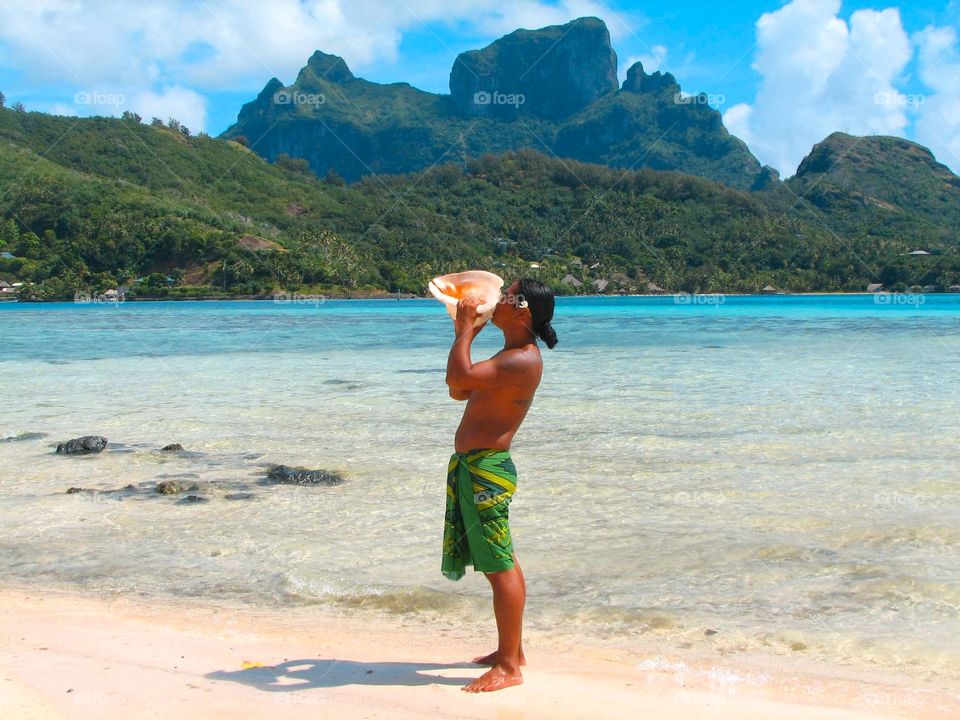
547	334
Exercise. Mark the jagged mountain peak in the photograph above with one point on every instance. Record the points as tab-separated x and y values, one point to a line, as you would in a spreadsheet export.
550	73
638	81
552	89
331	68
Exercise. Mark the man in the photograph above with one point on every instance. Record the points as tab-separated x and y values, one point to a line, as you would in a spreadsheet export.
481	477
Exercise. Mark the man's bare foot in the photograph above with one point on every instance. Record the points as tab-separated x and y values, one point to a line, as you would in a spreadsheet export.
491	659
496	678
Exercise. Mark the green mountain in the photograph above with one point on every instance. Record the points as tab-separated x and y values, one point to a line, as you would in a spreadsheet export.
554	90
887	189
877	176
89	204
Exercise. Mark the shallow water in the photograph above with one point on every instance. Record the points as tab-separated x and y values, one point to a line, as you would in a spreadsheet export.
782	471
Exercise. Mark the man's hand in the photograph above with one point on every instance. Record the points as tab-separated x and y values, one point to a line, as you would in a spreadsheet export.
466	317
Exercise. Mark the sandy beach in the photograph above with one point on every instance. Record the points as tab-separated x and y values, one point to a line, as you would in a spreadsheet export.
77	656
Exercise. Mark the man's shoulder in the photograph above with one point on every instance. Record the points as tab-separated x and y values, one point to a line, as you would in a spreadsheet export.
519	359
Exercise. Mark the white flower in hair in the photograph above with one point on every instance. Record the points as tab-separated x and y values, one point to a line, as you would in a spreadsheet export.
522	304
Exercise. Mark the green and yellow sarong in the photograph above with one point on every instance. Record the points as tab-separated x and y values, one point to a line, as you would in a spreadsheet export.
476	528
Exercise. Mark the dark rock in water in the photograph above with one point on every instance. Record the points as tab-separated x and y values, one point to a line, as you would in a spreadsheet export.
83	445
192	499
169	487
126	489
343	384
238	496
24	436
172	447
301	476
710	632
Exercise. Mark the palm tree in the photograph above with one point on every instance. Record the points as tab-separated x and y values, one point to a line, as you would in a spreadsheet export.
241	270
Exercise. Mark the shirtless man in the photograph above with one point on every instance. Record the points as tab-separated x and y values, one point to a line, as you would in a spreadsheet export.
481	476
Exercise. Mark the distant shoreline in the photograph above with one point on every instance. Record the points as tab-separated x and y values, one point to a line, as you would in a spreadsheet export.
306	298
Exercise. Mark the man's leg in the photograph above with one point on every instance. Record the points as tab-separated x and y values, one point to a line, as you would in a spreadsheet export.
491	659
523	585
509	594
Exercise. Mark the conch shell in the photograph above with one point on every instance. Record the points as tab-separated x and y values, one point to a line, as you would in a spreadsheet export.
482	285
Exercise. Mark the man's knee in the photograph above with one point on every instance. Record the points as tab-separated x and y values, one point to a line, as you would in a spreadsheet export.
501	576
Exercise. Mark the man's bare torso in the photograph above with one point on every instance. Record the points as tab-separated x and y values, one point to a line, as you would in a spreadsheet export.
493	415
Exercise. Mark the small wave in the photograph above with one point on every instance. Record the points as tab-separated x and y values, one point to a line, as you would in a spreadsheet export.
395	600
20	437
616	618
714	676
928	534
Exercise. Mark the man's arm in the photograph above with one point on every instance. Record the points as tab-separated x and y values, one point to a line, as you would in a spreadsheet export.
459	394
505	368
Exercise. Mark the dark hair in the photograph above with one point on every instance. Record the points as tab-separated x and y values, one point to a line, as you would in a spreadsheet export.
540	301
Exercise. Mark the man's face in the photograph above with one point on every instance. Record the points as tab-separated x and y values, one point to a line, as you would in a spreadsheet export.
507	304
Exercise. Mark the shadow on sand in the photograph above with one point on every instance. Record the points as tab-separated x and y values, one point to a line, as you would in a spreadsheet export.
327	673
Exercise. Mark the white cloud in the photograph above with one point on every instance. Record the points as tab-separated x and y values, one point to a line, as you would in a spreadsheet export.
821	75
652	61
221	44
61	109
738	119
158	51
498	18
184	104
938	121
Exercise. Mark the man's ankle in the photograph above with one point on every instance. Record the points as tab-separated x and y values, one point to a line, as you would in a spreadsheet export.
511	665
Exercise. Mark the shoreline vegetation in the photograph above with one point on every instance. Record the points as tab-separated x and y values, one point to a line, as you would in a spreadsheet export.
100	213
307	298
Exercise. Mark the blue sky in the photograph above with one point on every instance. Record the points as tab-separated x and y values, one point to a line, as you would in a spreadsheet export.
784	74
